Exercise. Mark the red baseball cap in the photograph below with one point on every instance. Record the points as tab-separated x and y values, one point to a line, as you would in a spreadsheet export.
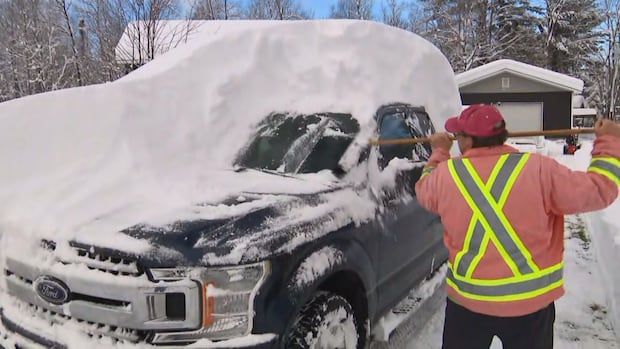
480	120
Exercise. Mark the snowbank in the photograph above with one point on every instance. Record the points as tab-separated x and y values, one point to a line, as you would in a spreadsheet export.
95	160
605	228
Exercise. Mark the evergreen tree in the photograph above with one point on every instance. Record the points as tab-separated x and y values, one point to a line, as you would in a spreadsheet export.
571	34
517	32
472	33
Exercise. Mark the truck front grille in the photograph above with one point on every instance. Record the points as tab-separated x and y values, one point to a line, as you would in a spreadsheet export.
109	302
109	264
92	329
98	260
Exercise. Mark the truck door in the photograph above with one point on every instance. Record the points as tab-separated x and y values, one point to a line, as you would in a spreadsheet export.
411	243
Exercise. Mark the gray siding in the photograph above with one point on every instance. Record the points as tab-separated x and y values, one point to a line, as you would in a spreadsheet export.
518	84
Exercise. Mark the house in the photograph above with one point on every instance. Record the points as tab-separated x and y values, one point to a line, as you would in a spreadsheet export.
529	97
143	41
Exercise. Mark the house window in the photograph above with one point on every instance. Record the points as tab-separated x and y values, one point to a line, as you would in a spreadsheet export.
505	83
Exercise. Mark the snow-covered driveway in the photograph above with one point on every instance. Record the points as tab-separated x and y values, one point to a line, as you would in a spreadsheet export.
585	315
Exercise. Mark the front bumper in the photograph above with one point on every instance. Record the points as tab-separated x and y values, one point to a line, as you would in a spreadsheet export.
33	335
113	301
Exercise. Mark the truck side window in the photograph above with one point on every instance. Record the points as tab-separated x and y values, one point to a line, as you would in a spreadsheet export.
421	126
394	126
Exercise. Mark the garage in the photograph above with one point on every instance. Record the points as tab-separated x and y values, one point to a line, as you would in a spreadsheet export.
522	116
529	97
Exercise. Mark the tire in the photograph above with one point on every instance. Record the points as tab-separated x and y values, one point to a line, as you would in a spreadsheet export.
327	321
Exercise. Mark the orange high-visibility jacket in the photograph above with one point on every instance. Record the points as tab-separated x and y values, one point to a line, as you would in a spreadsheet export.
503	214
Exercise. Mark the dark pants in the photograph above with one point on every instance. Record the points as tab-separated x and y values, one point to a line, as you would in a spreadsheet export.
465	329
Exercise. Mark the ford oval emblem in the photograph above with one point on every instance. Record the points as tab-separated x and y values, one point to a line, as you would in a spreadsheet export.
52	290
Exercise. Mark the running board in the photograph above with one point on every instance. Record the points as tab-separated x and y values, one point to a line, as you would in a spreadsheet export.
410	315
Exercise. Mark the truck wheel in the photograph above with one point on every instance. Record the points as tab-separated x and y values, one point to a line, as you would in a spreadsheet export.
327	321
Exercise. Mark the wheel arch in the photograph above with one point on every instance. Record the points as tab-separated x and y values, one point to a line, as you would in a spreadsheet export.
352	276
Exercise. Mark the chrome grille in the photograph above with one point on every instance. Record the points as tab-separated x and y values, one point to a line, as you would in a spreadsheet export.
105	263
92	329
9	273
97	260
119	301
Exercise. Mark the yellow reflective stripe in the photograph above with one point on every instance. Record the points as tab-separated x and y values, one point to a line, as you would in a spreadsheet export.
472	223
500	213
611	160
606	174
512	180
606	166
470	201
510	298
498	166
478	258
507	289
468	236
426	171
512	279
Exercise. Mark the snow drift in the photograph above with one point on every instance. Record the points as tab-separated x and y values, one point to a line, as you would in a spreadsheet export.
90	161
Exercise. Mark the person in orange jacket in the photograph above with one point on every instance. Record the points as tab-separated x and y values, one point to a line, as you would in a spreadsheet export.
503	215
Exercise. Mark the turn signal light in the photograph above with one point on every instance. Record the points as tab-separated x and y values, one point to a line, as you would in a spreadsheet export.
208	307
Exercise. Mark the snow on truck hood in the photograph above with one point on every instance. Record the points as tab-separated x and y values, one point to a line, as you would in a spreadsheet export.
144	149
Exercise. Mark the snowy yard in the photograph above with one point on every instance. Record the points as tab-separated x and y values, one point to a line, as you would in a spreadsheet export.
586	314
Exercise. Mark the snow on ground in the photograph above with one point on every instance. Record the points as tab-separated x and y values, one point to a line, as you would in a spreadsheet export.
585	315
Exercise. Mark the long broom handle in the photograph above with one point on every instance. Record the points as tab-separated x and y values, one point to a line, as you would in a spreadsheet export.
565	132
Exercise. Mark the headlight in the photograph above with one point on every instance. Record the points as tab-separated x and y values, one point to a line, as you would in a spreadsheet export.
228	294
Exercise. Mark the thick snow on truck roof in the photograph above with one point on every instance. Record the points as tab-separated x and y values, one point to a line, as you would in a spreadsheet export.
99	159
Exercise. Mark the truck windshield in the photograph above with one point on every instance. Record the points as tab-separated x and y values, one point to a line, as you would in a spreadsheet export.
299	143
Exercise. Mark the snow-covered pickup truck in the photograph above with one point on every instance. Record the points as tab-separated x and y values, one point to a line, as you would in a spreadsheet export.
225	194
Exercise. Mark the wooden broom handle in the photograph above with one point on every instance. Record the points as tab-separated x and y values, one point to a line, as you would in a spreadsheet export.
565	132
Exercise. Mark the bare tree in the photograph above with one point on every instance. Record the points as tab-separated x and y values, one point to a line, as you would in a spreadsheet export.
603	80
394	13
64	7
277	10
34	51
352	9
216	9
104	23
148	16
417	19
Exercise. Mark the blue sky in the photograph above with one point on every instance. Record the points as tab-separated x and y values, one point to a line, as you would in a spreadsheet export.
321	8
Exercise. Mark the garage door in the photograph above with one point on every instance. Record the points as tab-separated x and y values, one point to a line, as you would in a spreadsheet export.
522	116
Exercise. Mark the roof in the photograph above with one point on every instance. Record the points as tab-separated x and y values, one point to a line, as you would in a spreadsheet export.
527	71
133	46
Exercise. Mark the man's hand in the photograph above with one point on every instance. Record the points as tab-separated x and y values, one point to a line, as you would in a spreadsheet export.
441	140
606	127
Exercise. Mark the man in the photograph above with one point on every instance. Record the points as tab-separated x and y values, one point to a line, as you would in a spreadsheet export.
503	214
